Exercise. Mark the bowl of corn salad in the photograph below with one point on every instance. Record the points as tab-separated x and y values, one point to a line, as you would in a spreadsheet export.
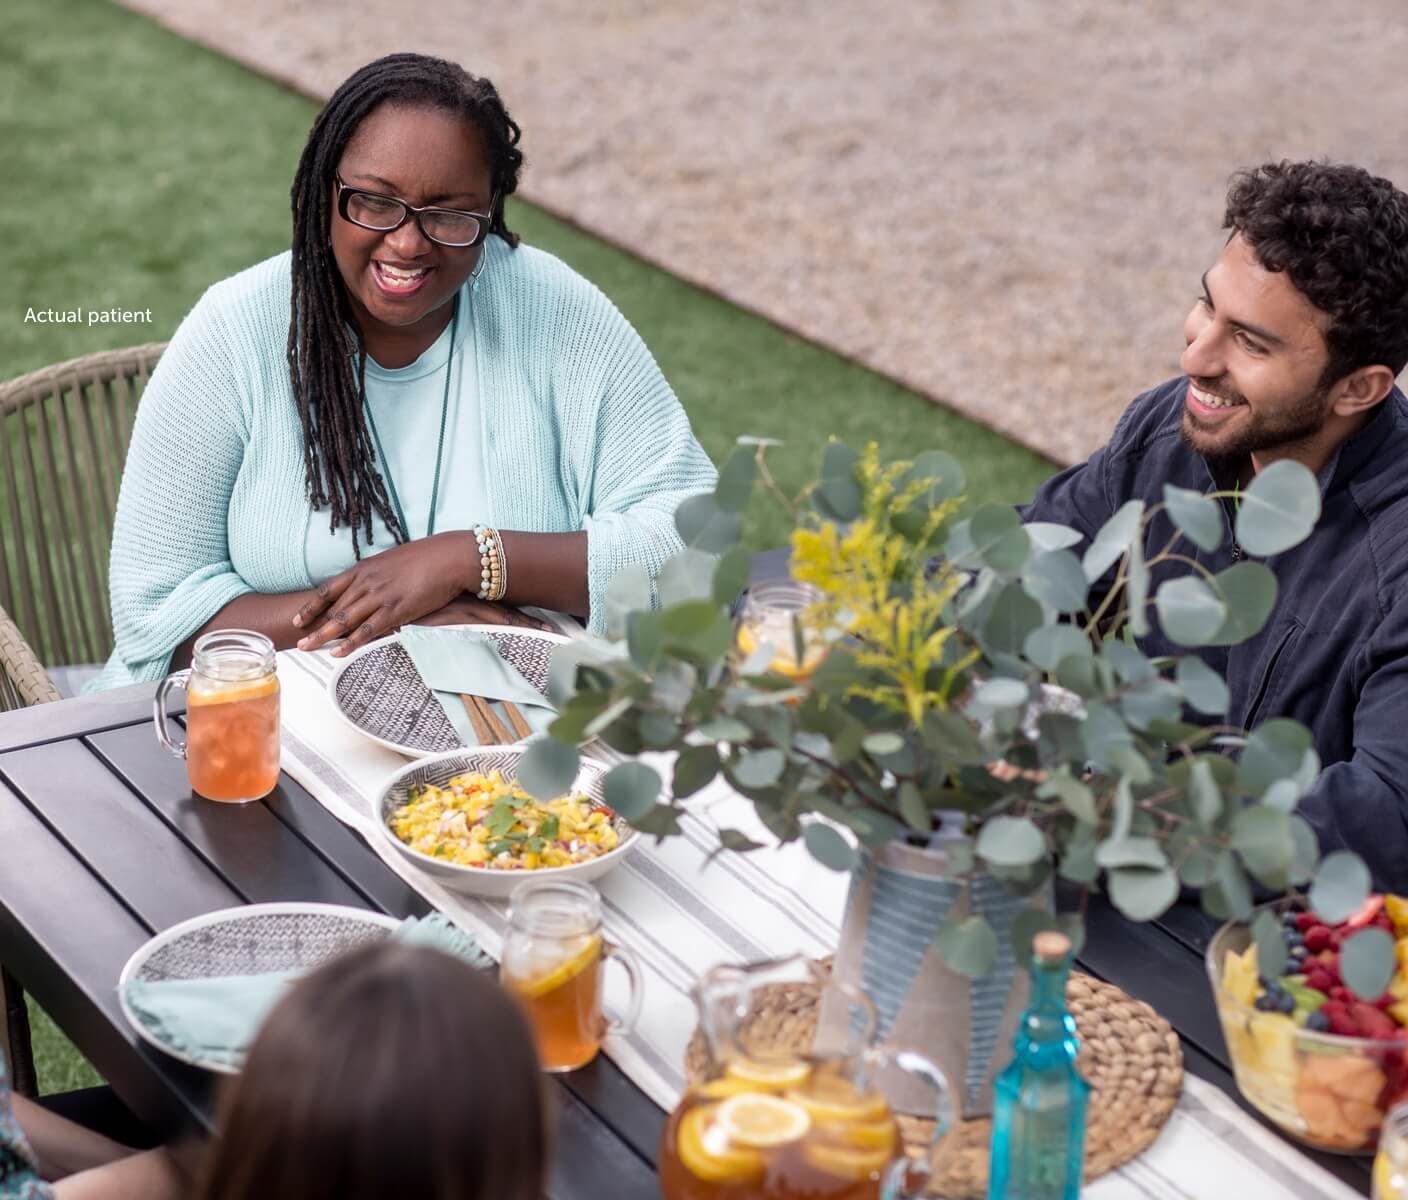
463	817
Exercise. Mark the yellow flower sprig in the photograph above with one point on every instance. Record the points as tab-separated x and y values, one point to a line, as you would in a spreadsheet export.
875	589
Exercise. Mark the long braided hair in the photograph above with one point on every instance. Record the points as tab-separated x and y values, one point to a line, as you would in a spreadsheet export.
329	384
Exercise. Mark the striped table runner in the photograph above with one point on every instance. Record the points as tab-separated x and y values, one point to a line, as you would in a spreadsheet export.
682	916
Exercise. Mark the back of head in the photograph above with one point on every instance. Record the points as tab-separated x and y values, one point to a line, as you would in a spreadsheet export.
394	1071
1341	235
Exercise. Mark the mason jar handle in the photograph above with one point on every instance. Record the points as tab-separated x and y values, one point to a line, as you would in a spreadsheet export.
631	964
909	1176
180	679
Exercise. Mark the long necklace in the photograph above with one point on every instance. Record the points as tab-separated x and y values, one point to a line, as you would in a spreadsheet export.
439	447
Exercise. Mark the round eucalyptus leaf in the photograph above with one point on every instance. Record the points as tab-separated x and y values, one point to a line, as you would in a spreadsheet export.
829	848
1046	535
1054	578
688	575
1307	853
631	789
1151	701
1142	894
1075	796
735	486
1232	885
731	575
1367	963
999	539
1000	693
1189	611
959	548
628	592
705	526
1198	517
695	767
1339	887
1279	508
1137	584
885	742
1248	589
1113	540
1011	618
759	768
548	768
1047	646
967	946
942	473
1130	852
1274	751
1010	842
1262	836
838	495
1204	794
1202	687
725	729
1270	944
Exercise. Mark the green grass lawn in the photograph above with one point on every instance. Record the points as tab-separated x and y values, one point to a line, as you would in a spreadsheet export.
140	169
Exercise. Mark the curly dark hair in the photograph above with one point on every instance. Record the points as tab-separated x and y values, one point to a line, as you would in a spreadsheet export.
1341	234
329	383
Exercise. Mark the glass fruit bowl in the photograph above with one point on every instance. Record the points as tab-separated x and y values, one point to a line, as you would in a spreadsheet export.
1326	1090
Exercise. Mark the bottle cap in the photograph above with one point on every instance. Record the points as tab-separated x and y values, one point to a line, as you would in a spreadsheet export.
1051	946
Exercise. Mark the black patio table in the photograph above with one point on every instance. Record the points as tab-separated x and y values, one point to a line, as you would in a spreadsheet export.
103	845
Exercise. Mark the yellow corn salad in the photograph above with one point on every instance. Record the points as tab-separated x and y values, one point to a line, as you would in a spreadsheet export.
479	820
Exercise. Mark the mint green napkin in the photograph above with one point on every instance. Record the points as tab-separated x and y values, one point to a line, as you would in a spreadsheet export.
455	662
215	1019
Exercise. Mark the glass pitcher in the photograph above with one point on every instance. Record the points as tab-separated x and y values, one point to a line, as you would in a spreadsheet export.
768	1120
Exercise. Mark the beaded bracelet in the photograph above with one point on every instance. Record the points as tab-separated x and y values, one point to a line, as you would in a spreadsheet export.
493	566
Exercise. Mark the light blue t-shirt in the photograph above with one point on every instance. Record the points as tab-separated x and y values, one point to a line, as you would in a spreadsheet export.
406	403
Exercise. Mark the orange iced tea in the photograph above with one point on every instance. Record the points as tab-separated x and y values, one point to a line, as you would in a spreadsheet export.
553	960
779	1131
232	738
563	1003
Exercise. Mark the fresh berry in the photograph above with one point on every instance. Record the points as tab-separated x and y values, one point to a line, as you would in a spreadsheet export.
1341	1020
1372	1022
1370	909
1299	953
1286	1002
1266	1002
1317	938
1342	994
1318	978
1318	1022
1305	920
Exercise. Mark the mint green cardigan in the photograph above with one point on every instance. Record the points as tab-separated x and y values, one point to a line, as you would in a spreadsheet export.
580	431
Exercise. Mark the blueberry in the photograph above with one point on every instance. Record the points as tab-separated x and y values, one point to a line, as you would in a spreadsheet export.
1318	1022
1299	952
1266	1002
1286	1002
1289	920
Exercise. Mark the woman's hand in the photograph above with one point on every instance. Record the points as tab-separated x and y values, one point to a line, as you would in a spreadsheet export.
380	594
466	609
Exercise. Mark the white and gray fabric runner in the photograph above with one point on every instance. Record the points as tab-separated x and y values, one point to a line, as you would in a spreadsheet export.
683	912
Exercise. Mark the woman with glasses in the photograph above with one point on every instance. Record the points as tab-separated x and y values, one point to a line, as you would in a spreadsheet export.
408	417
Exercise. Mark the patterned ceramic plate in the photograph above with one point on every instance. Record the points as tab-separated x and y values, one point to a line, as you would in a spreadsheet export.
255	939
381	694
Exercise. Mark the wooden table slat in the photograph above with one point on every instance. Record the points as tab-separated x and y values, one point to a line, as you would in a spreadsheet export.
245	843
123	842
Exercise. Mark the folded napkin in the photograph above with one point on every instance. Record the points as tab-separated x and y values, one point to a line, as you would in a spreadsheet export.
455	662
214	1020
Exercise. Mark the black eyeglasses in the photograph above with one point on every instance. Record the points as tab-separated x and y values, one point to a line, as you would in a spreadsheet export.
445	226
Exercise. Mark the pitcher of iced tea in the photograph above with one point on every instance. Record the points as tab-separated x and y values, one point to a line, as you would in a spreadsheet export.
232	716
771	1119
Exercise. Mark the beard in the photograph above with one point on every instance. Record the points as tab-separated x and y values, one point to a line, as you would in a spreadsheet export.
1293	423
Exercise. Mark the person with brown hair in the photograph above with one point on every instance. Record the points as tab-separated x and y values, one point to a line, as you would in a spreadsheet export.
393	1071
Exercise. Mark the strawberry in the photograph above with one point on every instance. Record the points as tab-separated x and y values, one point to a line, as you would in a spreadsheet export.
1370	909
1320	979
1373	1022
1305	920
1342	994
1317	938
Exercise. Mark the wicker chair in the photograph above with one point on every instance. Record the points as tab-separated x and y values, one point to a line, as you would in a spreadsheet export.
63	440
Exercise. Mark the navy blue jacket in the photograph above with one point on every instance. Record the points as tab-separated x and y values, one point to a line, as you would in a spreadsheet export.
1334	653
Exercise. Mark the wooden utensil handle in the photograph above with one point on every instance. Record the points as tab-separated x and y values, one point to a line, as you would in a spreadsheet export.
481	727
521	728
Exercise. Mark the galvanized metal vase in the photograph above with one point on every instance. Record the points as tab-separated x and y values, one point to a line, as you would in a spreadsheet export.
899	897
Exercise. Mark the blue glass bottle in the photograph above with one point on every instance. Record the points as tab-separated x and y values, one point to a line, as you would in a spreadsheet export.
1038	1122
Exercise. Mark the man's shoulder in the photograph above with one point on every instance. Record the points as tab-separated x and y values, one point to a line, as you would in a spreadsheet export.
1151	421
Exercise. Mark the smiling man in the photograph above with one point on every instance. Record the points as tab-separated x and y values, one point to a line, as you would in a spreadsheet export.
1292	348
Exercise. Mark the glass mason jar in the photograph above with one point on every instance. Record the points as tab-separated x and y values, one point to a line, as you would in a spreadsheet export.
775	614
232	716
554	958
1391	1164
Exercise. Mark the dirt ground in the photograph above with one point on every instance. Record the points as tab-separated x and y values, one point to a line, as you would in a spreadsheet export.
1005	204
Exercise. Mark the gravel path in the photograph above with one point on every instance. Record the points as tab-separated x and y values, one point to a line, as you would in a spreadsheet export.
1005	204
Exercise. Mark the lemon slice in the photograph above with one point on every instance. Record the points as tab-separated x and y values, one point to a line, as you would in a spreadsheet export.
554	977
784	660
863	1135
722	1089
837	1102
772	1075
847	1163
705	1152
215	692
761	1121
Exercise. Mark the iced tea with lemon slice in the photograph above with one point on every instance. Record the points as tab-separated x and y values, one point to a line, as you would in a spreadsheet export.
779	1131
554	958
776	614
232	716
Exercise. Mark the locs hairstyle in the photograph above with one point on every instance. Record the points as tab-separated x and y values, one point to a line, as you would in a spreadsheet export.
1341	234
328	379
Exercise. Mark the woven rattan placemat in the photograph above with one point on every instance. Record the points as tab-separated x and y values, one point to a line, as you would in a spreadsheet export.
1129	1053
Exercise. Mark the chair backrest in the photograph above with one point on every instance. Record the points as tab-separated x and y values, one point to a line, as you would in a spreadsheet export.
63	441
